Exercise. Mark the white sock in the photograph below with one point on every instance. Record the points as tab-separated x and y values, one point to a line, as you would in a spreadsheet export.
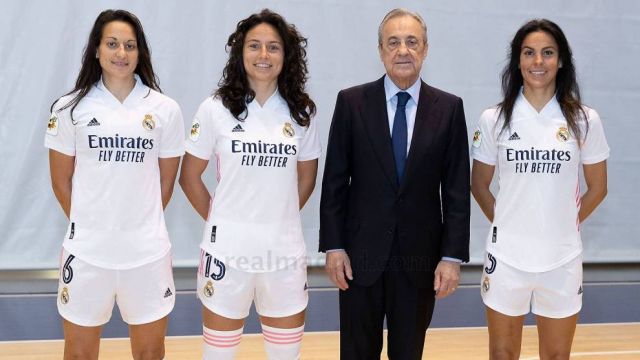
282	344
220	345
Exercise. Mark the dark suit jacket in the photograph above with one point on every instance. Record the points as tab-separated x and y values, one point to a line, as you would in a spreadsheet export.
363	208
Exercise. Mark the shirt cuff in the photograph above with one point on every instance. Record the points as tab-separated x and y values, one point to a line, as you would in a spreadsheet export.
446	258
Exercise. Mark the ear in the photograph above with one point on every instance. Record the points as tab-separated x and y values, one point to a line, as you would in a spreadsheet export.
560	65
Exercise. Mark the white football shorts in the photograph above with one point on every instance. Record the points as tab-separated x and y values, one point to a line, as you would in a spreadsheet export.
228	292
87	293
554	294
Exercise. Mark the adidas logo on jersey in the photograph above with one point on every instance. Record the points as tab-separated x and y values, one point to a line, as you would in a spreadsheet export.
167	293
93	122
238	128
580	291
514	136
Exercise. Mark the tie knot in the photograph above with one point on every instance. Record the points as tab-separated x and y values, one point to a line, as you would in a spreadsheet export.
403	98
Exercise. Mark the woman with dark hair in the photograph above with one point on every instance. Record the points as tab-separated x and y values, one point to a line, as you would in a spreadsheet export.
114	148
258	127
538	136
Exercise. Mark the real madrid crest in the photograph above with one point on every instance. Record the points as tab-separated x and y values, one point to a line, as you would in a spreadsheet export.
195	130
52	126
64	295
287	130
477	138
485	284
148	123
208	289
563	134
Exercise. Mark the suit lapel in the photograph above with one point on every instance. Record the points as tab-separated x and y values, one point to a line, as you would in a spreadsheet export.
376	122
424	129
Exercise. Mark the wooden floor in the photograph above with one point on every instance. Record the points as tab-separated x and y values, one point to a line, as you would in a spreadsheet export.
592	342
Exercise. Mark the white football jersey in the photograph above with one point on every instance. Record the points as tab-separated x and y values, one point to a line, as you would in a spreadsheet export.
117	219
254	219
536	226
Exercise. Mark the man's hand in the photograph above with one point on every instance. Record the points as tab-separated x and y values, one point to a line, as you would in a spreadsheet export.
446	279
337	265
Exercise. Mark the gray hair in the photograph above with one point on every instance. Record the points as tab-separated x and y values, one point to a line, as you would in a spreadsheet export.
402	12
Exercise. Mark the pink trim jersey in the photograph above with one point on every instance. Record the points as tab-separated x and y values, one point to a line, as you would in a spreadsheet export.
254	218
536	225
117	219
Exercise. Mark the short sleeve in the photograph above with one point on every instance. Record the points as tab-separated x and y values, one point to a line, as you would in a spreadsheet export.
201	138
594	148
310	145
172	141
61	133
484	146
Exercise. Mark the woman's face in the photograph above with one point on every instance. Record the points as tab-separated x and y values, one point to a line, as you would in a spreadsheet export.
118	51
539	61
263	55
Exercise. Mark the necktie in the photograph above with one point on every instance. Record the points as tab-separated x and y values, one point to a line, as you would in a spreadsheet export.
399	134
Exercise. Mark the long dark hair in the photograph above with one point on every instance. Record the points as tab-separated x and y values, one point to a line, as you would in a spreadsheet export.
567	91
90	72
234	90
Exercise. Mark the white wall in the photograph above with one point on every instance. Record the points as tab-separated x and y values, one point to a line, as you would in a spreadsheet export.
40	50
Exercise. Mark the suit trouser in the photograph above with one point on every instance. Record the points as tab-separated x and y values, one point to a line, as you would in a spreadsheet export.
408	311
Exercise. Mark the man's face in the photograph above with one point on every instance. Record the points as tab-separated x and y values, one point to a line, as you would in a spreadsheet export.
403	50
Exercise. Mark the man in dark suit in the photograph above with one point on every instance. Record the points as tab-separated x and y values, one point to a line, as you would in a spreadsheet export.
394	213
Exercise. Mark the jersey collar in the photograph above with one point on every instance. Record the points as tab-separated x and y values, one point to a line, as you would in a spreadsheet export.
274	102
551	108
138	92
